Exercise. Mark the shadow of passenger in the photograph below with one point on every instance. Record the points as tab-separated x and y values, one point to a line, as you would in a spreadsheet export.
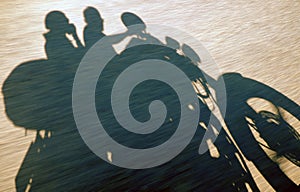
58	46
38	96
93	31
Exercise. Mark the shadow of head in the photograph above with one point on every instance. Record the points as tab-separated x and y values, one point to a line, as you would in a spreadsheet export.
56	21
93	18
132	20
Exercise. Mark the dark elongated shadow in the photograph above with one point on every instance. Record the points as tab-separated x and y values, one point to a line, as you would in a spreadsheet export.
38	96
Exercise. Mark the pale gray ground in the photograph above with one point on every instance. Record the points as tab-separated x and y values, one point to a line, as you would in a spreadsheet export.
259	39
